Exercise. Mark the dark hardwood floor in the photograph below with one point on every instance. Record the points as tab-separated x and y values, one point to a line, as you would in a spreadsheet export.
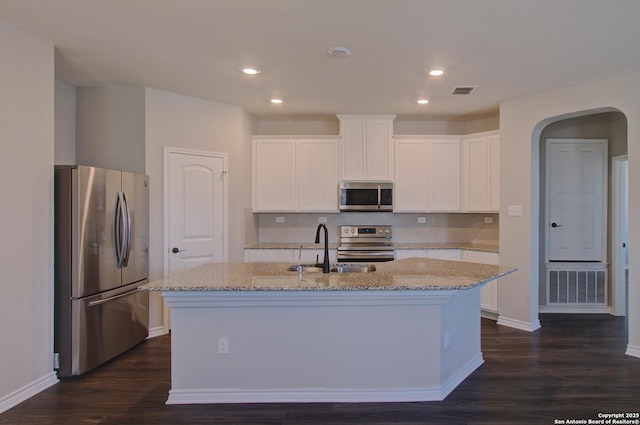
572	368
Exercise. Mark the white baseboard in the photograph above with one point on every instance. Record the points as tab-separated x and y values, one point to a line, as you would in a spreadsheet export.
324	395
489	315
16	397
157	331
518	324
633	351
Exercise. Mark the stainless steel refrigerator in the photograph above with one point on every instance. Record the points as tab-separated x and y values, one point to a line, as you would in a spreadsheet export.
101	257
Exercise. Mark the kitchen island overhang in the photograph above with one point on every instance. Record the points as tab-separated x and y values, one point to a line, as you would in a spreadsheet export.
334	337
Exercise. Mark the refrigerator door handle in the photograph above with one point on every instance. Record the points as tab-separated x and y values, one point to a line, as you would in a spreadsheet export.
115	297
119	230
127	231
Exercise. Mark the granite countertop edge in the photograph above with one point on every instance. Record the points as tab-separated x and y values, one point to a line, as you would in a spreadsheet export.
412	274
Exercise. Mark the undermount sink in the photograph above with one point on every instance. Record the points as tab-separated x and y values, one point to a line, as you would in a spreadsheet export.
335	268
353	268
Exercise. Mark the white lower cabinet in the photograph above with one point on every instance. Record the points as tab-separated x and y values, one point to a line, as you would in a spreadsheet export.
268	255
401	254
489	292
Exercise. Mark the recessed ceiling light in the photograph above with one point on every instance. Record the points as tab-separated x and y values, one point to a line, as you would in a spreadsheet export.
276	100
436	72
251	71
339	52
422	101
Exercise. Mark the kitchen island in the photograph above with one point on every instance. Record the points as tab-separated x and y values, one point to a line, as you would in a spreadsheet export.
249	332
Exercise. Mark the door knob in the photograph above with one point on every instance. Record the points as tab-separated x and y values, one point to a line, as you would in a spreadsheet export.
555	225
175	250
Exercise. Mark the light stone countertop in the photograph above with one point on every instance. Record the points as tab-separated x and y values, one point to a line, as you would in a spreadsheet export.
449	245
397	246
290	245
407	274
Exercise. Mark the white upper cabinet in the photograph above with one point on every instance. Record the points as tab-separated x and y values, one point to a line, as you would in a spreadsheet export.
317	175
427	175
444	175
366	147
295	175
274	177
481	173
410	183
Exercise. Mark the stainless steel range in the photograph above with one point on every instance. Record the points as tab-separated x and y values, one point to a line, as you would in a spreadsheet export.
365	244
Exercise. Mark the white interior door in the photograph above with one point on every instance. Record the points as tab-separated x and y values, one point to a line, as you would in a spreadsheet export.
576	199
196	209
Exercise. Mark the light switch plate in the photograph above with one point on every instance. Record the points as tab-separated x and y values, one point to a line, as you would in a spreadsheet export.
514	211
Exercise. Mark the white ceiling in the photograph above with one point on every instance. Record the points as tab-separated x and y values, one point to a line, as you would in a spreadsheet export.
506	48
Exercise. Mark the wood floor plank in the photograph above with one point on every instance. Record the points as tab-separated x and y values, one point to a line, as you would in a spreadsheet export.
574	367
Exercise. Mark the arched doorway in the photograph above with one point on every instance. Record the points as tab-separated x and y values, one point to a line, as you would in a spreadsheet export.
603	124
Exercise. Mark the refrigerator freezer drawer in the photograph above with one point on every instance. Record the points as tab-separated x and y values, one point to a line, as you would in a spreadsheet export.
104	326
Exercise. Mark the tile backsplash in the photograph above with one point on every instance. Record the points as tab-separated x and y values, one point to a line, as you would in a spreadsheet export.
437	228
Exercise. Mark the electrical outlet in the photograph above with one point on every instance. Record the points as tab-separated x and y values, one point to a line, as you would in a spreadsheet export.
223	345
322	219
447	340
488	220
279	219
422	220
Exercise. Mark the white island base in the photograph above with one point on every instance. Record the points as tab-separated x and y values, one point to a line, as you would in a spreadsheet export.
322	346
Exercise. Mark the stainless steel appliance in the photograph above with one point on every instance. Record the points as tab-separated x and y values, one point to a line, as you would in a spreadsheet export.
365	244
366	196
101	257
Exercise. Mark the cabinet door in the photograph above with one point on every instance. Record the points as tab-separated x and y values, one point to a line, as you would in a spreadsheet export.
275	175
353	149
366	147
316	256
401	254
493	157
317	175
379	149
444	254
410	180
270	255
476	185
443	180
481	173
489	292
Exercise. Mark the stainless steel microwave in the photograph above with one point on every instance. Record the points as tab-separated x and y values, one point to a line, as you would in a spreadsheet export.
366	196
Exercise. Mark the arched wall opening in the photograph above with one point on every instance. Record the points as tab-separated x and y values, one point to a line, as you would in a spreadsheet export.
607	123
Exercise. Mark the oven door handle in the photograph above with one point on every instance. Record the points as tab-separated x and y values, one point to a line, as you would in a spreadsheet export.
366	253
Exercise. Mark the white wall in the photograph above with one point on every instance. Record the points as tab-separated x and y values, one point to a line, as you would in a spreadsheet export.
26	215
521	122
65	123
186	122
110	127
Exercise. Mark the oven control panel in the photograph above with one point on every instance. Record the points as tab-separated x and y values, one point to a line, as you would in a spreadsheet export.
365	232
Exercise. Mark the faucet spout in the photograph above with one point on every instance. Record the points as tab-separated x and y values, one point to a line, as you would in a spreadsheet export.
325	263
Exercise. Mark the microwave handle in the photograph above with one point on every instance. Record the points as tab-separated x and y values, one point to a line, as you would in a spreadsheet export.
379	196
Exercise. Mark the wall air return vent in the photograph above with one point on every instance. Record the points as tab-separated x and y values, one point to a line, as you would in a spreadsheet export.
462	90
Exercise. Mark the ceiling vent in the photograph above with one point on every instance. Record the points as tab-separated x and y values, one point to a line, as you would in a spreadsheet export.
462	90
